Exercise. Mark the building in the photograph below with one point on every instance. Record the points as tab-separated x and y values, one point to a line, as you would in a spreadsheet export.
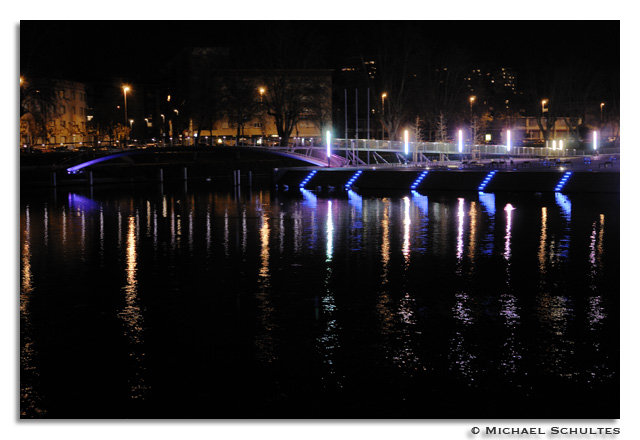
53	114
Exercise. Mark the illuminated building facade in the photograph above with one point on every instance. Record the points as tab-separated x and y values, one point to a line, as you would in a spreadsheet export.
54	114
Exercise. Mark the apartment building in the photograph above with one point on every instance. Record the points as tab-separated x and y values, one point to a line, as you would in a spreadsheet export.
54	114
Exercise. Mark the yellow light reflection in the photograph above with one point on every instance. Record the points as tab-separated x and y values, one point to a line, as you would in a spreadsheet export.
132	314
542	249
386	246
265	343
29	397
473	225
460	356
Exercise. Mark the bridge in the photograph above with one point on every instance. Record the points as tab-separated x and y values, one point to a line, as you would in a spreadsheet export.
363	152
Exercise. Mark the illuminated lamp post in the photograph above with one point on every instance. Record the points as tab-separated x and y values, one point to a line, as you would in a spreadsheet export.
595	140
544	102
125	89
328	148
406	142
460	141
384	95
509	140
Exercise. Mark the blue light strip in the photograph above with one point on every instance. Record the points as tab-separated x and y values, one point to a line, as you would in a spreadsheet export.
306	179
422	175
563	181
486	180
353	179
76	168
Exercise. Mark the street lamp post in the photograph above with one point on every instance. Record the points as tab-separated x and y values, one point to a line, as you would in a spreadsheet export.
125	89
471	101
384	95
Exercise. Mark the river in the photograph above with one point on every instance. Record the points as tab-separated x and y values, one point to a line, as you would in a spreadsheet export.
196	302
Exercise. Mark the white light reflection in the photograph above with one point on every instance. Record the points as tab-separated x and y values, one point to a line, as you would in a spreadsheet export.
507	237
460	241
328	341
405	356
406	242
510	313
329	232
459	355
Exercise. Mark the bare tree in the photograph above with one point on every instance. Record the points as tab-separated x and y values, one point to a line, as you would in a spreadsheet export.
205	91
40	101
240	94
292	88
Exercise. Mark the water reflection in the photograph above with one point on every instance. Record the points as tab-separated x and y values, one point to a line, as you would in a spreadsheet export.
488	201
361	265
132	314
596	311
460	239
406	241
461	356
265	341
507	238
329	341
30	398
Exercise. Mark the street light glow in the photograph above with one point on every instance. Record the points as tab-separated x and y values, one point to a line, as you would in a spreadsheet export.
508	140
460	138
595	140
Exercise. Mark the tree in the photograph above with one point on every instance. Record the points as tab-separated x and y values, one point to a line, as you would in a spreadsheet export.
205	91
39	107
292	88
240	100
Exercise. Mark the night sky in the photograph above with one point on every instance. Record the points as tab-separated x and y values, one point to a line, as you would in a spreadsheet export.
87	50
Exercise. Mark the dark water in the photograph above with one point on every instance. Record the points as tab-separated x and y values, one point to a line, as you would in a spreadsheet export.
196	303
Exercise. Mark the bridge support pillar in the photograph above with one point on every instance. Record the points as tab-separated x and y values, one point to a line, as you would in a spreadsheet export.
54	182
90	178
160	175
184	173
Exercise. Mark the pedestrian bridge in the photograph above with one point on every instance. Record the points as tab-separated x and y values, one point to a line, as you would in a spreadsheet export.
361	152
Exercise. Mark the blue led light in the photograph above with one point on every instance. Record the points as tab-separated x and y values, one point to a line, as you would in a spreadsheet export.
486	180
306	179
563	181
422	175
353	179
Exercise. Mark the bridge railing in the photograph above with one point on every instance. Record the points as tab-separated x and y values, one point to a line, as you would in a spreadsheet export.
451	148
